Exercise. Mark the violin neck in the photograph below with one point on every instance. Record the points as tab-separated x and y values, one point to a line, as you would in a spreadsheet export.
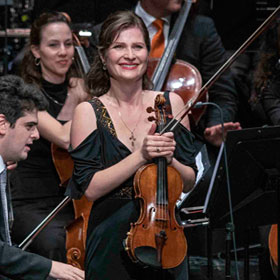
162	190
163	66
162	195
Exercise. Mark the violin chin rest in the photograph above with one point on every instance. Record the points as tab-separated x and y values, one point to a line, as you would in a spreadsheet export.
147	255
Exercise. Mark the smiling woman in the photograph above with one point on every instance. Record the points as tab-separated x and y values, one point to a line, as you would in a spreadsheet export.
35	183
126	59
111	138
55	51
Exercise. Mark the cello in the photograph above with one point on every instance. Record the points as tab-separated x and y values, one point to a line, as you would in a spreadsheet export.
177	75
157	239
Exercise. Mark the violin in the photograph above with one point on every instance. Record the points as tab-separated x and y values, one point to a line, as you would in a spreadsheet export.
157	239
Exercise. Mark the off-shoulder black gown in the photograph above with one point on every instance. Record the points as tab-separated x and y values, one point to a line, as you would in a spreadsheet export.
112	214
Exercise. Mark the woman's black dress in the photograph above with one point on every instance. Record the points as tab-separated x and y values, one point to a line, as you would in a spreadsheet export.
112	214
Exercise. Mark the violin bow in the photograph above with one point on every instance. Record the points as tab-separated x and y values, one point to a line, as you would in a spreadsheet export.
185	110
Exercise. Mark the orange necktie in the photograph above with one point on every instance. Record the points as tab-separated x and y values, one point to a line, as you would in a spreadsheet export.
157	46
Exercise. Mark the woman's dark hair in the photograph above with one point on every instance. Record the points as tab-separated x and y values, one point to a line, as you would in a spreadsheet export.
30	72
97	80
268	66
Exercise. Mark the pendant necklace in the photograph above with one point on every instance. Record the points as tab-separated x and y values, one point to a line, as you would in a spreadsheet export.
132	137
51	98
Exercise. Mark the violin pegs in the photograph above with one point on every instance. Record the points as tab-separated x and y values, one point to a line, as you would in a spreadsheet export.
151	119
150	110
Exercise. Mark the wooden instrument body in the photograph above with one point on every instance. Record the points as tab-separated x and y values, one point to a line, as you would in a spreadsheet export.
184	79
157	239
273	247
141	242
76	232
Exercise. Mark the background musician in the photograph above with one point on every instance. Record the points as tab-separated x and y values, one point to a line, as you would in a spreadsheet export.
19	106
111	138
35	183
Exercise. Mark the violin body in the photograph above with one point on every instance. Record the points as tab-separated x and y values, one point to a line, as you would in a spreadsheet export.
157	239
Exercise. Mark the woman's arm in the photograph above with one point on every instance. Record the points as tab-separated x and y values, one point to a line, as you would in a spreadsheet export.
50	128
104	181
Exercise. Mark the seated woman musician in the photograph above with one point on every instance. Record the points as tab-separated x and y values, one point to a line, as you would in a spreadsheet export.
47	63
267	73
111	138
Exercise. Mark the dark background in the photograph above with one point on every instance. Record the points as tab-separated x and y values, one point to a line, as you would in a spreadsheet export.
235	20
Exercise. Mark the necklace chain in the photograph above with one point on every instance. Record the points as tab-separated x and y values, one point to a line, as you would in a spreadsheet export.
51	98
132	137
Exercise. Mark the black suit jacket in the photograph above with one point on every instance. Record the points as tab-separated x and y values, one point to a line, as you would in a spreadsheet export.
18	264
201	46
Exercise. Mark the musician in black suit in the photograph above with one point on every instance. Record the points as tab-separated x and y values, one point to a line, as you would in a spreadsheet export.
201	46
19	105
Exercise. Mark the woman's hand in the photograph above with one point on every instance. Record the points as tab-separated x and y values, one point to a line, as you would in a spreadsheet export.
77	90
155	145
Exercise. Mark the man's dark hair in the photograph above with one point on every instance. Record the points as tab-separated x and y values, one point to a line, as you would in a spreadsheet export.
17	98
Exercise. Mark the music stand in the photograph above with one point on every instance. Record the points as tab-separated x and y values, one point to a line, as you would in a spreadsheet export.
254	173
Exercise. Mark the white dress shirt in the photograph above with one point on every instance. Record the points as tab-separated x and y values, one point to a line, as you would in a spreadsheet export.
148	20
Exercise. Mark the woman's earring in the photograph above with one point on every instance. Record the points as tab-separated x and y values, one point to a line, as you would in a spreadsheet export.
104	66
37	61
